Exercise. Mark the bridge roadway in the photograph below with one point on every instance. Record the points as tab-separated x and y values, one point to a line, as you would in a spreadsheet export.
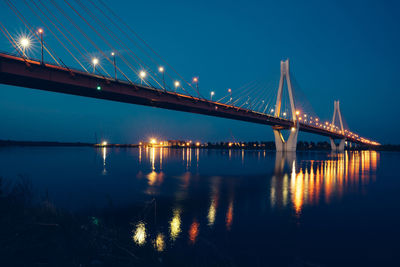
28	73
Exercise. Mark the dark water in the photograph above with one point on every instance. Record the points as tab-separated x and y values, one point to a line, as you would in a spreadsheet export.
194	207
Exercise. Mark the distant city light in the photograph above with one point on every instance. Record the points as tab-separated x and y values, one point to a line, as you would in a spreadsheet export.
104	143
153	141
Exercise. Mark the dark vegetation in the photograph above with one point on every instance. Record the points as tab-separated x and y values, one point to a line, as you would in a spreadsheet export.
36	233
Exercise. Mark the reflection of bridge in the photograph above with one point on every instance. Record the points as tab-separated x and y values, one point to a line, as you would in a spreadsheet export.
295	184
21	70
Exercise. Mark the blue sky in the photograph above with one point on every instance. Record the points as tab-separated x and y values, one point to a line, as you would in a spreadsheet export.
346	50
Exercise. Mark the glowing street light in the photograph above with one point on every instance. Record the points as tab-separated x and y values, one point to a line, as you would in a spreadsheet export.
95	61
212	94
24	42
153	141
230	94
196	81
115	65
142	75
176	84
162	71
40	31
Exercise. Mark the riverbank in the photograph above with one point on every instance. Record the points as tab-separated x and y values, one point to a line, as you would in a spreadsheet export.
263	145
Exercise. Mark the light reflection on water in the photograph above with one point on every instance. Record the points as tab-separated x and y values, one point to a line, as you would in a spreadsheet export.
294	184
313	178
183	198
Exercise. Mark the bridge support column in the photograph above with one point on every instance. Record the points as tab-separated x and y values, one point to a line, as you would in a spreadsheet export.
337	147
290	144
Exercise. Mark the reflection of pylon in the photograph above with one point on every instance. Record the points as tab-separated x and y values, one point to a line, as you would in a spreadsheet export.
280	143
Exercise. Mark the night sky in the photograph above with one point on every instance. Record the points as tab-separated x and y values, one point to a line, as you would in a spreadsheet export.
345	50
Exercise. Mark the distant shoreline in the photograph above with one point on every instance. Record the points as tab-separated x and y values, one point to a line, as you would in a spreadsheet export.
41	143
58	144
301	146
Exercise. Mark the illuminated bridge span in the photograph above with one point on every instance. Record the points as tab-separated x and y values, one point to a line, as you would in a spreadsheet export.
152	90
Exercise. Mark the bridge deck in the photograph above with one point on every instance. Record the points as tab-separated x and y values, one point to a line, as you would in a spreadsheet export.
31	74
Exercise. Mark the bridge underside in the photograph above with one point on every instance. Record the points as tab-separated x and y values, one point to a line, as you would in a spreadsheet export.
31	74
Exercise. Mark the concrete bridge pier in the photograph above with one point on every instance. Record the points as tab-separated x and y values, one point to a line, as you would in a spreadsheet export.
337	147
290	144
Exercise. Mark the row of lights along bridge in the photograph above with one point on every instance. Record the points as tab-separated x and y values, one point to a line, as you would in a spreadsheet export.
24	43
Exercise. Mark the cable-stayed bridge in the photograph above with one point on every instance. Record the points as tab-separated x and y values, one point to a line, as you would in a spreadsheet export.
113	82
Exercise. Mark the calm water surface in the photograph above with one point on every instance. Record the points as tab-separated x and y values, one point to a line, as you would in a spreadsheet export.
198	207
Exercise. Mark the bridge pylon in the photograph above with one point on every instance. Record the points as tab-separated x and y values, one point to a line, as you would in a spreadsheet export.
337	147
280	143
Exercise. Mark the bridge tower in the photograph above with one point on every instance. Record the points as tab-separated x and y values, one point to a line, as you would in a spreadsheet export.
337	147
280	143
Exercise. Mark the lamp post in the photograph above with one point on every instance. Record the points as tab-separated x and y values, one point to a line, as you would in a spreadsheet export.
162	70
24	43
212	94
95	61
41	42
115	65
196	81
142	75
177	84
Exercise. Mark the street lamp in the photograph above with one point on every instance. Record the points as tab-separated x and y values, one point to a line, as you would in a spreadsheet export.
95	61
115	65
40	31
230	94
142	75
162	71
196	81
212	94
24	42
177	84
